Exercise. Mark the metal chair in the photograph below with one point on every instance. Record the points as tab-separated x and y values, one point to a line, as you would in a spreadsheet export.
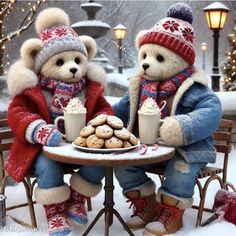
6	140
222	139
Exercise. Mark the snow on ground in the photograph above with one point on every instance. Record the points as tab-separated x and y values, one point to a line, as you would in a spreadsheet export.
16	194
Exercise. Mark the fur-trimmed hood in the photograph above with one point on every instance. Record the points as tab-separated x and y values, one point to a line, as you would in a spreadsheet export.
134	90
21	78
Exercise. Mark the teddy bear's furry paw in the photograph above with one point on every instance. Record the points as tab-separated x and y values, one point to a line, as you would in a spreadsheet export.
171	132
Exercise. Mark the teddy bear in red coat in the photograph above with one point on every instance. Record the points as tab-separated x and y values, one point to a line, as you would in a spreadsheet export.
53	69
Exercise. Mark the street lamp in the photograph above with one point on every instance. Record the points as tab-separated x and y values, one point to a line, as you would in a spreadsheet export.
216	14
203	48
120	32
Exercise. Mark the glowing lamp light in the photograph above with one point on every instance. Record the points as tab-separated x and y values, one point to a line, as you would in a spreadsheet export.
120	31
216	15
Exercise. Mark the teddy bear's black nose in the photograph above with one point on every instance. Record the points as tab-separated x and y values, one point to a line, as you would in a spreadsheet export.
73	70
145	66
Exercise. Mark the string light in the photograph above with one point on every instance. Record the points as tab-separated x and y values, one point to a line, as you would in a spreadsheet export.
8	6
117	45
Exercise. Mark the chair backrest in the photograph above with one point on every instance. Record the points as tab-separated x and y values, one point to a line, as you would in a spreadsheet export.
223	137
6	140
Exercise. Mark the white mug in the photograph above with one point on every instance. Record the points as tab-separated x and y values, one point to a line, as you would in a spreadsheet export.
149	126
73	124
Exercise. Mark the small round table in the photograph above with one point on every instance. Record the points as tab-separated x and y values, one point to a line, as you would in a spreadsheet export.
68	154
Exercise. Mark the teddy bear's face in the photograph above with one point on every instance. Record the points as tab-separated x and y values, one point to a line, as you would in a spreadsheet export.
159	63
68	66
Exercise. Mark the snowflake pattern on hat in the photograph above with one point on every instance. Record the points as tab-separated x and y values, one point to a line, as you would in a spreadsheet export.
53	33
176	27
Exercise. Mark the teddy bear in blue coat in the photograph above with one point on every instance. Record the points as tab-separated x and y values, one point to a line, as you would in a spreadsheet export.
192	113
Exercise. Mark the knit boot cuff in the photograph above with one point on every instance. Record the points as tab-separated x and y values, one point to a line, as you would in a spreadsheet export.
146	189
183	203
82	186
52	195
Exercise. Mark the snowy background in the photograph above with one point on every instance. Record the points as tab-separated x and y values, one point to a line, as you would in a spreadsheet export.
129	13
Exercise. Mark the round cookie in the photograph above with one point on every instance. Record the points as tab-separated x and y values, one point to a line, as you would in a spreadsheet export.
80	141
99	120
113	142
127	144
132	139
115	122
86	131
104	131
122	134
93	141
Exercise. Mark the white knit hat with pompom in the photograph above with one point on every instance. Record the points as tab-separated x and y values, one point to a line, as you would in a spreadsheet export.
52	25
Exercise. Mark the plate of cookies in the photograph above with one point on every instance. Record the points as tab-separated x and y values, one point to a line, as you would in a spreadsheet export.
105	134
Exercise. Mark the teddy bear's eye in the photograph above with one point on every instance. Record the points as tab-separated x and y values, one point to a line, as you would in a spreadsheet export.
77	60
160	58
60	62
144	55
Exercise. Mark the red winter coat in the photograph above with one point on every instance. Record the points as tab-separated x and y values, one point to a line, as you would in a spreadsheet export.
31	105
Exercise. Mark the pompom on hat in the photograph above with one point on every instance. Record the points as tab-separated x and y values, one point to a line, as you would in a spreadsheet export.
52	25
174	32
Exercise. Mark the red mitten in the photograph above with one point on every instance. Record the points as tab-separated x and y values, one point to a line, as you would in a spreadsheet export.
47	136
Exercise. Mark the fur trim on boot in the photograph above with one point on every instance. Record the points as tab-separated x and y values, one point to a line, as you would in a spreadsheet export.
145	189
183	203
54	195
84	187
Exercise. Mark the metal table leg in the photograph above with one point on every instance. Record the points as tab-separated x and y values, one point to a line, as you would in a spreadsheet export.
108	206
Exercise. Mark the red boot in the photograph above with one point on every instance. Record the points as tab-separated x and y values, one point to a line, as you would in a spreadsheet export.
81	189
76	207
55	201
57	219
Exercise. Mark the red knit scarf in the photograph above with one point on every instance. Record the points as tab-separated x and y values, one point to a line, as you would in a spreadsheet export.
161	90
62	92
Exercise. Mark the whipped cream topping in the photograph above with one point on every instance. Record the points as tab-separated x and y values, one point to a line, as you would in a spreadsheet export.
149	107
75	106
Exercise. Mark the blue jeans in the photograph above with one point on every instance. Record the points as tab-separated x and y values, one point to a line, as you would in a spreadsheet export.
50	173
180	176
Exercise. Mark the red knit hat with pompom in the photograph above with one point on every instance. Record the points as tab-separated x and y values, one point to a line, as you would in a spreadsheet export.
174	32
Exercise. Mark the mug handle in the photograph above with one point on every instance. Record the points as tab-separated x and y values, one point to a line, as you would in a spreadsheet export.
56	123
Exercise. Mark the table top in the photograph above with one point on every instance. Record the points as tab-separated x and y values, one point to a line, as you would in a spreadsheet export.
68	154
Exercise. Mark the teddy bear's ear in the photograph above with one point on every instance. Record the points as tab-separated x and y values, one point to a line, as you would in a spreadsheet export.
90	45
29	50
138	37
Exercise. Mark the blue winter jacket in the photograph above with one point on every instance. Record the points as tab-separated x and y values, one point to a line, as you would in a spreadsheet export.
199	112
